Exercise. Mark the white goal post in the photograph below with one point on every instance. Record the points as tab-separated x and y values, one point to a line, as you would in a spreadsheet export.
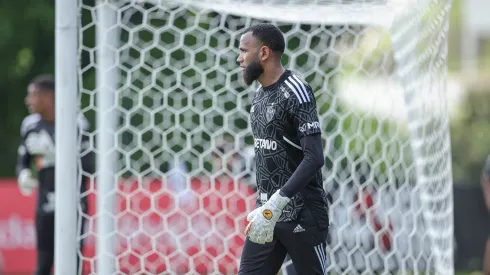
159	82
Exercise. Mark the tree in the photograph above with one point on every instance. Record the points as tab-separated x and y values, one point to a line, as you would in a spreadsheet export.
470	143
27	47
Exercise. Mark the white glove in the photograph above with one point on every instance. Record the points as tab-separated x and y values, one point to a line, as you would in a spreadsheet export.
262	220
39	144
26	182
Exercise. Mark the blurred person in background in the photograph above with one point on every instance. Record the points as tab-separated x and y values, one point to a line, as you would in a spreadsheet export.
485	184
37	147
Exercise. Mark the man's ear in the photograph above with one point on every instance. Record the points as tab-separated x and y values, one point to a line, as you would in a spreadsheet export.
264	53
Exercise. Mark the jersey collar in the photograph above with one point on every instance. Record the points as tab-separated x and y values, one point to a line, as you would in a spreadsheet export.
281	80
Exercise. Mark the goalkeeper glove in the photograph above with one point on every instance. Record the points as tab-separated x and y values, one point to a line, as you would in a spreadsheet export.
26	182
262	220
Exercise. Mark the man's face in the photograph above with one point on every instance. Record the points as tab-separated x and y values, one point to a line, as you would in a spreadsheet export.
37	100
248	59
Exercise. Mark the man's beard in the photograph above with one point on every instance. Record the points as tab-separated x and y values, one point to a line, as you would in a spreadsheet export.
252	72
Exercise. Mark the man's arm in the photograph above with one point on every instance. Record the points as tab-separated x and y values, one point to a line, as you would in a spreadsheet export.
23	157
307	125
24	160
309	166
485	182
86	155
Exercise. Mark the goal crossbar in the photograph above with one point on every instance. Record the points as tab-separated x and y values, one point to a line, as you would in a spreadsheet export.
373	14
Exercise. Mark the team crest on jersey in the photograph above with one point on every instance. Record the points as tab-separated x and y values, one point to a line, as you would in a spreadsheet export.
270	111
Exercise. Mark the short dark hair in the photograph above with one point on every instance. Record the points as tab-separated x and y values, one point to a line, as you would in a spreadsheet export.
270	35
44	82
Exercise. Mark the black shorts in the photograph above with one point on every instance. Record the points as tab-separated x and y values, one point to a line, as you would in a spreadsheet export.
304	240
45	233
45	221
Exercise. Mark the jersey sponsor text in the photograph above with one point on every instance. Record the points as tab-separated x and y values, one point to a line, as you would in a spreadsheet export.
265	144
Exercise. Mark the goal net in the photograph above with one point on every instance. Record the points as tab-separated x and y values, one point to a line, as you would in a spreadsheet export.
161	87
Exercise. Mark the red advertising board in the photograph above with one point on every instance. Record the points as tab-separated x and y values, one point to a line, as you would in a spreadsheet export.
159	228
17	229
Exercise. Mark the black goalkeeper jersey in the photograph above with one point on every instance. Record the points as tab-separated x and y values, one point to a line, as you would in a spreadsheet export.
282	114
35	128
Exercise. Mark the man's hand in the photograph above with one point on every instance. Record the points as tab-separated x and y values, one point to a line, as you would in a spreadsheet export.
26	182
262	220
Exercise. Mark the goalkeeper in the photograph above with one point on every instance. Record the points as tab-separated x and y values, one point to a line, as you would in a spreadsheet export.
292	209
37	147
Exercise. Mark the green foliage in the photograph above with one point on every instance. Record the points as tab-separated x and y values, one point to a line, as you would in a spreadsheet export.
371	55
27	49
365	147
470	137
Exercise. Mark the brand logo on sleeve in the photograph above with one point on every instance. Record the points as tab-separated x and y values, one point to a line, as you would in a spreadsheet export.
309	125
